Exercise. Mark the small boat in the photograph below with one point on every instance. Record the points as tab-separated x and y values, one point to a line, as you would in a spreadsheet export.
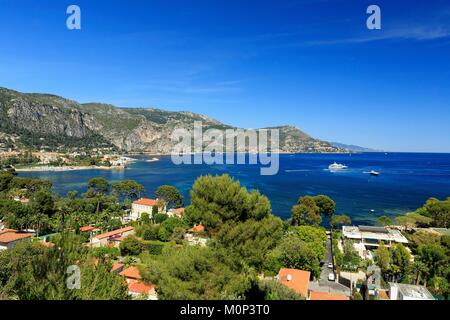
374	173
337	166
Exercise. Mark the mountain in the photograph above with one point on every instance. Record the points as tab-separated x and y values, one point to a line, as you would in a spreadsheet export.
52	122
353	148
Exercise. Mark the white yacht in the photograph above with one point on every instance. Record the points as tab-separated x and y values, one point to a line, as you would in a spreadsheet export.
337	166
374	173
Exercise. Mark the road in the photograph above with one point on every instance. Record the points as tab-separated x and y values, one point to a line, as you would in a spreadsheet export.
323	284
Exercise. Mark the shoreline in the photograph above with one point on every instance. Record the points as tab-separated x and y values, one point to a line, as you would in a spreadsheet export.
67	168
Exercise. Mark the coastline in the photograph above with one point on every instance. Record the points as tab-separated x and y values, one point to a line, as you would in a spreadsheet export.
67	168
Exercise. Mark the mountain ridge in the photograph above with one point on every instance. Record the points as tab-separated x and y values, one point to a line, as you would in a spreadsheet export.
37	120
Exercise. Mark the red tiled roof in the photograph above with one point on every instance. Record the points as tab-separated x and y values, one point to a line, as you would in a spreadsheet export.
10	235
140	287
299	280
116	266
131	273
326	296
197	229
112	233
146	202
86	229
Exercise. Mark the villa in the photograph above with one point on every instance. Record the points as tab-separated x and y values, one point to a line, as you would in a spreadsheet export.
401	291
370	237
136	286
9	238
297	280
144	205
111	238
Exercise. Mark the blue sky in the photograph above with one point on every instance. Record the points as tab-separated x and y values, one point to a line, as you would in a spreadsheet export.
310	63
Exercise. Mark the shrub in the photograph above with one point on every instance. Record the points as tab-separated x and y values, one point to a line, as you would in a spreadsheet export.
154	247
131	246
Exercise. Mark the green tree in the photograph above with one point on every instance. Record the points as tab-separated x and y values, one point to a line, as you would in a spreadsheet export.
298	254
384	221
99	187
128	189
439	211
326	205
218	199
251	240
433	256
130	246
145	218
340	220
383	258
400	260
306	212
192	272
170	195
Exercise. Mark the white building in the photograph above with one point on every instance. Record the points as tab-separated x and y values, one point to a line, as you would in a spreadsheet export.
144	205
111	238
371	237
400	291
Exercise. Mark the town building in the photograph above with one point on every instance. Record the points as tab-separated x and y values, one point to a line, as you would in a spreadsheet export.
111	238
295	279
196	235
178	212
9	238
401	291
144	205
136	286
370	237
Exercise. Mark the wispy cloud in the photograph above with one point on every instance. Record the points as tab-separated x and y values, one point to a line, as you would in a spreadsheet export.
413	33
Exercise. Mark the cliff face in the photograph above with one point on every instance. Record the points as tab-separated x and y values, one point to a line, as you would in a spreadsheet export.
37	120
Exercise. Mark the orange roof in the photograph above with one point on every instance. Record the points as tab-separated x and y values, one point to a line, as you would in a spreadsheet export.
116	266
131	273
86	229
295	279
140	287
179	211
113	233
10	235
146	202
326	296
196	229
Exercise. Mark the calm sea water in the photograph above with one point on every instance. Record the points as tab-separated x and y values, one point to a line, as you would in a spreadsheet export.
405	182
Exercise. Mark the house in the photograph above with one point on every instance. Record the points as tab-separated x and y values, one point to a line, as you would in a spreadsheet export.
326	296
178	212
137	287
195	236
370	237
111	238
131	274
401	291
141	289
9	238
196	229
144	205
295	279
117	267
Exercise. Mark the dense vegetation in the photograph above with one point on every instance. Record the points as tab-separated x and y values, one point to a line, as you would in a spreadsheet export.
246	244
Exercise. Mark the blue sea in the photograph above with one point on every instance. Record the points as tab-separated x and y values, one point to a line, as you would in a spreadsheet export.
405	182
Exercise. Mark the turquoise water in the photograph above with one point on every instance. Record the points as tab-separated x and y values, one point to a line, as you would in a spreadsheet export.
405	182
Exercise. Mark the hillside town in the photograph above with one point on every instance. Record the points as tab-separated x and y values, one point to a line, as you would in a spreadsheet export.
148	244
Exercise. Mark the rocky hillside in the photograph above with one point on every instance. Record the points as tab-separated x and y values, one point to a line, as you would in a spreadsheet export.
42	120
